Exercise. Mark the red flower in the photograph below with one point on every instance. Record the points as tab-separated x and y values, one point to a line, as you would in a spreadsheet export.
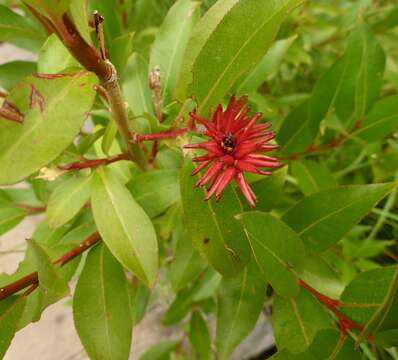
235	147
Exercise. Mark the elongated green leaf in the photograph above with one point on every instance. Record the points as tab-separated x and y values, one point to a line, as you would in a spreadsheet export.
380	121
120	51
101	308
212	227
376	309
11	310
155	191
139	299
277	249
170	43
328	344
296	321
13	72
235	34
51	281
160	351
124	226
54	57
322	219
312	176
19	30
79	12
135	86
187	264
10	217
267	67
67	199
50	7
240	301
55	108
199	336
351	85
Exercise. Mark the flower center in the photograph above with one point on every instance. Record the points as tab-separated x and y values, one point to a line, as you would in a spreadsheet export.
228	143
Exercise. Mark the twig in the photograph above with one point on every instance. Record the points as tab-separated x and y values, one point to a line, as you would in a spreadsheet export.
33	278
3	94
171	134
346	323
31	209
87	164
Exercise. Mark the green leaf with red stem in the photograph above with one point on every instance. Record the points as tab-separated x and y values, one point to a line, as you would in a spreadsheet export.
235	34
322	219
277	249
124	226
54	108
240	302
101	307
296	321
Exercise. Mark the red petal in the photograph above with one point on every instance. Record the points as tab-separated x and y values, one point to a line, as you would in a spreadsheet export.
246	189
200	168
212	172
227	177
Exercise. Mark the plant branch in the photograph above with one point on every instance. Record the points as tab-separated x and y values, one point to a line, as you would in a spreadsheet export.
346	323
33	278
170	134
87	164
31	209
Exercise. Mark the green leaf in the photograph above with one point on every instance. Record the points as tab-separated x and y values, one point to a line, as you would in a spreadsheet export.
51	281
135	86
296	321
67	199
79	13
199	337
380	121
277	249
120	51
19	30
10	217
11	310
101	308
267	67
235	34
187	264
124	226
322	219
139	298
55	108
351	85
13	72
160	351
312	176
240	301
328	344
155	191
170	44
212	227
376	309
54	57
50	7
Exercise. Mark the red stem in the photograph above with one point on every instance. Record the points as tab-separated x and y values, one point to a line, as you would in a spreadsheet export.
87	164
346	323
33	278
171	134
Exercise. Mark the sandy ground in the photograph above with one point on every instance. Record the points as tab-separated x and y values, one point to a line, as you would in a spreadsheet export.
54	336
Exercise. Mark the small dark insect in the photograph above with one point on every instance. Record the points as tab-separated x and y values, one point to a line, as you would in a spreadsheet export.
228	143
206	241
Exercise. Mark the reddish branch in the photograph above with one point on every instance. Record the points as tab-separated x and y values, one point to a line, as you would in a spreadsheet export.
346	323
172	134
31	209
33	278
87	164
323	147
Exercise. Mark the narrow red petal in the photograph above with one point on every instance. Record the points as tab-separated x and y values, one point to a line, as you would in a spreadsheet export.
228	176
211	173
200	168
246	189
